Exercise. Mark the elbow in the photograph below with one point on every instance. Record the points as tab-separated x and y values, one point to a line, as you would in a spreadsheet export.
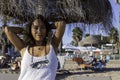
6	30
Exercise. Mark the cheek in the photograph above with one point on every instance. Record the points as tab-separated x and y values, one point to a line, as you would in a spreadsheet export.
33	33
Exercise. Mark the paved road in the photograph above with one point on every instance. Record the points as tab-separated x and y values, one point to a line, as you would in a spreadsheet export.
9	76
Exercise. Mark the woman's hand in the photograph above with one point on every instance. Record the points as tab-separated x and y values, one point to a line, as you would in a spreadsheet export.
56	24
59	23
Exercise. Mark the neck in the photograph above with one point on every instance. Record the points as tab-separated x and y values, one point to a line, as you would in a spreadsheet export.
40	43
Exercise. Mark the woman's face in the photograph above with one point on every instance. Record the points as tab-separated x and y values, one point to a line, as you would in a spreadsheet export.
38	30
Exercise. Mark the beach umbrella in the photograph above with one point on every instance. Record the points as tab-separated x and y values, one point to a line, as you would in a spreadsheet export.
86	11
90	40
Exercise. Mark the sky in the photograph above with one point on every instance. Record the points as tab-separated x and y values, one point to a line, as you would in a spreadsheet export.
67	38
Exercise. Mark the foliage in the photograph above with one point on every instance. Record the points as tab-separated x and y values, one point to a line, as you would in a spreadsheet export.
87	11
113	35
114	38
4	42
77	36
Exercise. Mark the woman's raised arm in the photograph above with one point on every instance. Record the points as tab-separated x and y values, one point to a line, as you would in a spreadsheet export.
12	35
57	37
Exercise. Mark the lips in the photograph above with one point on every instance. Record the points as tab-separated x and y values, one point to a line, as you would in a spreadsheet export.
39	35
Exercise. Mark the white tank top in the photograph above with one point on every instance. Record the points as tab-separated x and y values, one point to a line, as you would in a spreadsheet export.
43	72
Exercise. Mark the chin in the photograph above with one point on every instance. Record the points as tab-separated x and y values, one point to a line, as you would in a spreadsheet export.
39	40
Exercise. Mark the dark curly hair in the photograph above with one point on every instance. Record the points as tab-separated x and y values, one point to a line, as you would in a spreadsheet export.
28	38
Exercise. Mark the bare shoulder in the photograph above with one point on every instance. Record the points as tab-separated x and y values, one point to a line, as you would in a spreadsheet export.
22	51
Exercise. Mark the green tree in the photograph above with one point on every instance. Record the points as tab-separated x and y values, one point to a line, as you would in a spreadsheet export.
77	36
4	42
114	37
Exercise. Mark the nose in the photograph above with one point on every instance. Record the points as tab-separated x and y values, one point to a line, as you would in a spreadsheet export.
39	30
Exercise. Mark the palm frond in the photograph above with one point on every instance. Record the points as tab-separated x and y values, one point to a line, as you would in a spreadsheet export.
87	11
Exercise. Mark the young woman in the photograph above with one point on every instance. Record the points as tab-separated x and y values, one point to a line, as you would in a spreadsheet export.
39	61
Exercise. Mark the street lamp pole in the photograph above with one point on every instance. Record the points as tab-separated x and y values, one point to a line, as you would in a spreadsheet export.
102	40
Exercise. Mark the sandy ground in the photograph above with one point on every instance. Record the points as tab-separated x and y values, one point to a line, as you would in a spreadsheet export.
111	72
